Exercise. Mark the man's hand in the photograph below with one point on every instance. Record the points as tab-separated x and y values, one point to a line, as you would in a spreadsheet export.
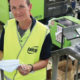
24	69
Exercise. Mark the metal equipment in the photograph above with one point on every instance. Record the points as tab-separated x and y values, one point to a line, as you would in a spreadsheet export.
55	58
68	25
65	34
55	8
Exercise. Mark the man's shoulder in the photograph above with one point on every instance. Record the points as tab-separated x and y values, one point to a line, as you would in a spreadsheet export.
10	20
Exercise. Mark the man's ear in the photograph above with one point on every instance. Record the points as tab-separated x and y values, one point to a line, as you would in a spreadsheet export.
30	7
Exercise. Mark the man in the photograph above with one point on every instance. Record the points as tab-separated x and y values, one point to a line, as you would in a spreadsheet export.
28	40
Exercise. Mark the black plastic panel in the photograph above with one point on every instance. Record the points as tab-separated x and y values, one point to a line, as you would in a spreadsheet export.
56	8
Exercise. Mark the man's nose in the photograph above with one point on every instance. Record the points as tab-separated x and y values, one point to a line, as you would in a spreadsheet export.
17	11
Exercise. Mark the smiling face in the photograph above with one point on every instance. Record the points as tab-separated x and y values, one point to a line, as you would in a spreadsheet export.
20	9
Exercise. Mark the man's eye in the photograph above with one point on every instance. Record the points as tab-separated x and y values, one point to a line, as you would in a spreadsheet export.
13	8
21	6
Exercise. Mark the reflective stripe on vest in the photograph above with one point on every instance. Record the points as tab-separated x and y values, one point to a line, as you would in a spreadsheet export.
30	49
6	77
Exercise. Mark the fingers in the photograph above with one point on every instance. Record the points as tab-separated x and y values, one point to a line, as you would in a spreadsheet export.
24	69
21	71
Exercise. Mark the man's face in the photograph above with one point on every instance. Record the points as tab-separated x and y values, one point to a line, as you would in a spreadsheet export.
20	9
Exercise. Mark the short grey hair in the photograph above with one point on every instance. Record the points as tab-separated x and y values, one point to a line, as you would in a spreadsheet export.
28	2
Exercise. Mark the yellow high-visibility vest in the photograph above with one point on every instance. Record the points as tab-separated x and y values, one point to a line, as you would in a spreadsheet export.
29	53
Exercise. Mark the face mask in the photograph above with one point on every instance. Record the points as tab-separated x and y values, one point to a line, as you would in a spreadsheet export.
9	65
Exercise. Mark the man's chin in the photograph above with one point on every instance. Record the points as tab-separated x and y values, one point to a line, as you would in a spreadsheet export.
19	20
